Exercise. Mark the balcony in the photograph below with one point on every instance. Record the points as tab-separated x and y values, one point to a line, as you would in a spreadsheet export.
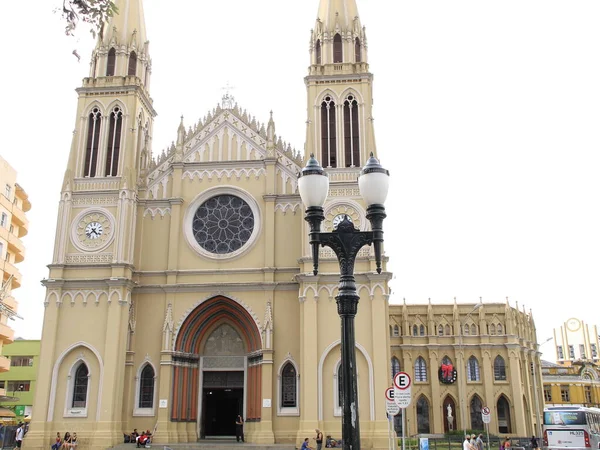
16	247
4	364
10	301
9	270
7	334
19	218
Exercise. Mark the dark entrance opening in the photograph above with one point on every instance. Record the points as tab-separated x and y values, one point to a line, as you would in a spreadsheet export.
222	401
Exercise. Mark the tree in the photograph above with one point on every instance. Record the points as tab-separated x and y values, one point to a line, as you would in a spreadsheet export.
93	12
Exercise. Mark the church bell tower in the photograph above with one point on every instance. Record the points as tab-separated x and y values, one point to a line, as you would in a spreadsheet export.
88	299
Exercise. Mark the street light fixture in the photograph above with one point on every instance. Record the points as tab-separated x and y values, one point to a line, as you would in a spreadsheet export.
464	365
346	241
538	425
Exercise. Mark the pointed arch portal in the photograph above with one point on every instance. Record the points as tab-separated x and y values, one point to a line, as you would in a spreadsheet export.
217	364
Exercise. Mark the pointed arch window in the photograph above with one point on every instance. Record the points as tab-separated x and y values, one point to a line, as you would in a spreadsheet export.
448	330
328	133
467	329
93	138
396	331
395	366
473	330
476	419
111	62
114	142
499	328
80	387
288	386
503	411
423	415
318	52
473	370
351	132
146	387
422	330
499	369
357	55
492	328
338	52
440	330
132	67
415	330
420	369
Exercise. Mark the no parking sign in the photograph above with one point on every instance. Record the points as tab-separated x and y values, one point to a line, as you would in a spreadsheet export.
402	389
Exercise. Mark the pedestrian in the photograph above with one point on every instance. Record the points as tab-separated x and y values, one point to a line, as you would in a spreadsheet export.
534	443
467	443
19	435
305	445
479	442
506	444
319	439
239	429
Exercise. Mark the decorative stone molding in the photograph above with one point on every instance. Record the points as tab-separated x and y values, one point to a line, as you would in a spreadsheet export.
153	212
285	207
80	201
98	258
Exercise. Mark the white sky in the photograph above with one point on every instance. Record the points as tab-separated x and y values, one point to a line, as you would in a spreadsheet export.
486	113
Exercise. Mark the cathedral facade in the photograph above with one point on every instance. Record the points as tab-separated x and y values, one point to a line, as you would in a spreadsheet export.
189	274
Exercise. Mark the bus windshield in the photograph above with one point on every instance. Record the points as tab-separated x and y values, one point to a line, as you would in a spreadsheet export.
564	418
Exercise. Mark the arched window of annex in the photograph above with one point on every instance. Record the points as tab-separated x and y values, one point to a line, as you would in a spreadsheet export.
145	391
351	132
448	330
420	370
395	365
396	331
440	330
318	58
499	329
503	414
499	369
78	389
90	162
473	330
473	371
467	331
492	329
415	330
357	53
338	49
289	389
132	66
328	133
422	330
475	406
111	62
423	415
113	148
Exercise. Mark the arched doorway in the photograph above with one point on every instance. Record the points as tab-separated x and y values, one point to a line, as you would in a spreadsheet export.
214	376
476	419
503	411
449	414
423	415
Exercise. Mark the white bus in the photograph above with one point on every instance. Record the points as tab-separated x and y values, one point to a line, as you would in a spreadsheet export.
571	427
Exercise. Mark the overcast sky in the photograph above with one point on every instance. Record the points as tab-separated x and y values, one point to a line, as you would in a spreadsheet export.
486	112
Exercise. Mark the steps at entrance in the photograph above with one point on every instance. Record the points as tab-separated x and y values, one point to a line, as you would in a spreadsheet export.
210	445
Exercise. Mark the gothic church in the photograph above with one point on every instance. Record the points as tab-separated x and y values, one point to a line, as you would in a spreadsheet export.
189	274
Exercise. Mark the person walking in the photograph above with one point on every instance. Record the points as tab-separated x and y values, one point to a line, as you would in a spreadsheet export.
534	443
467	443
319	439
239	429
479	442
19	435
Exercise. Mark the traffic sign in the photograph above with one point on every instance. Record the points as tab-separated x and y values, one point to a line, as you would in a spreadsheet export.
389	394
391	408
485	415
402	389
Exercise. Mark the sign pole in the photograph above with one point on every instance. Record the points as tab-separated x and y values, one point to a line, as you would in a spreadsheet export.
403	435
487	430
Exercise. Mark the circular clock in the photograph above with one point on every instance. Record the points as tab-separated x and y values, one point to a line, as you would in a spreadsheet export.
338	219
92	230
573	324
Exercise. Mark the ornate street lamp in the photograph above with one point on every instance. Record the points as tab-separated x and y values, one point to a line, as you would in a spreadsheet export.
346	241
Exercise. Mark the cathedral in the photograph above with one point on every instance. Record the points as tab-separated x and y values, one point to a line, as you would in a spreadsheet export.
189	274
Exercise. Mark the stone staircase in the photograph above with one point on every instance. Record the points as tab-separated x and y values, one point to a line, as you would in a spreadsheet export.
225	444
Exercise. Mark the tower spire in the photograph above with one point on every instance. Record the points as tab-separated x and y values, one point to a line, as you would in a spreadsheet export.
123	48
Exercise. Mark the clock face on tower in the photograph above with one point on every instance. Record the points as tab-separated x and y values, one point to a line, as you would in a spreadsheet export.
338	219
92	230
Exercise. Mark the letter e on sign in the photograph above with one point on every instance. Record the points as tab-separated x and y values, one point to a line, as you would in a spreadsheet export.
402	389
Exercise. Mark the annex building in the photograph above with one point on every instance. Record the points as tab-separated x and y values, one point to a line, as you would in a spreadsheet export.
189	274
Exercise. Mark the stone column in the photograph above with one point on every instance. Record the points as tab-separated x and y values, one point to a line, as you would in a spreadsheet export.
487	378
436	401
517	413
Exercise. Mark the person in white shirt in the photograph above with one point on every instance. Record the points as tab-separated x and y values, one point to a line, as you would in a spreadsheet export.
467	443
19	436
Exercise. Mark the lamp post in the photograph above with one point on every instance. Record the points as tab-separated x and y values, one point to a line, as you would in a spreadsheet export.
346	241
538	429
464	366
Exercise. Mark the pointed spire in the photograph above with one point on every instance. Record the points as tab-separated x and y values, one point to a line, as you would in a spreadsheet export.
343	13
271	132
181	132
128	26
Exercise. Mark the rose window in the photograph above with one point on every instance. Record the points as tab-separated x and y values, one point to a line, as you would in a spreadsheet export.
223	224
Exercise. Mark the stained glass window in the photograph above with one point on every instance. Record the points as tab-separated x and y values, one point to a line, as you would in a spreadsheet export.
147	387
223	224
288	386
80	387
